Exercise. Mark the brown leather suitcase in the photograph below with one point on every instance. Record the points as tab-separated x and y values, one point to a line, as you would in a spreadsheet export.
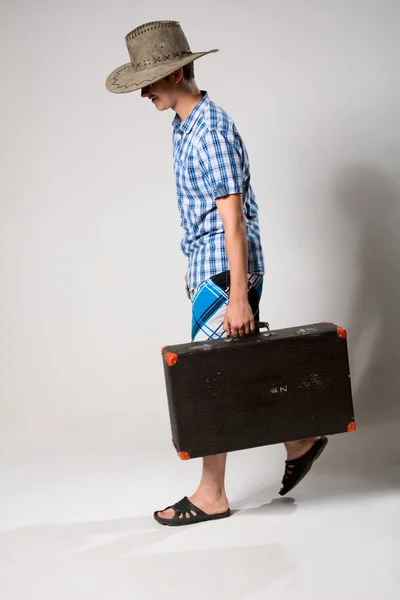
264	388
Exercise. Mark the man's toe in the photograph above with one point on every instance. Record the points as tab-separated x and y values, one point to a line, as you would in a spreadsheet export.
166	514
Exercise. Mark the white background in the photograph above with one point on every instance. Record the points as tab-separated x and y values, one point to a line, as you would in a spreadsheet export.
92	278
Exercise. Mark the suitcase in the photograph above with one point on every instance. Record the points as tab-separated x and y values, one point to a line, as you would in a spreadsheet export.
264	388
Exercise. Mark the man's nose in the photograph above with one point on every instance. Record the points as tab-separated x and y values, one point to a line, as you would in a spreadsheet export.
146	90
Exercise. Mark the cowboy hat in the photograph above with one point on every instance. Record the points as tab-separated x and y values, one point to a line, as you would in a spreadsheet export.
156	50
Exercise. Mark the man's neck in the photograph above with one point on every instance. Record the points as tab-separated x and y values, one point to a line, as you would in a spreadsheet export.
187	101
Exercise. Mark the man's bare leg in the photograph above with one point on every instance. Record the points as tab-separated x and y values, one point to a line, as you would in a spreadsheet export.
210	496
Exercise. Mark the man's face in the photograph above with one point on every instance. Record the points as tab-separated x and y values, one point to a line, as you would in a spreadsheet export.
162	93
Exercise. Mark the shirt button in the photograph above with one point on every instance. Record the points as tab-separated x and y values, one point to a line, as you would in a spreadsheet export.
221	189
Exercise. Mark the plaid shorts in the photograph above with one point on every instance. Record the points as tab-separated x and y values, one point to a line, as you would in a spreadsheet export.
210	301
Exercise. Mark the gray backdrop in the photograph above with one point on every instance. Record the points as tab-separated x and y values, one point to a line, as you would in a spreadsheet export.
92	278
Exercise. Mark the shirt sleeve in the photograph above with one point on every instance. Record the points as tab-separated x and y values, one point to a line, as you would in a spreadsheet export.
220	158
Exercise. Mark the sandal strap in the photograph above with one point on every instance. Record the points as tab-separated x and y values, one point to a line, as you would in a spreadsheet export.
310	455
184	506
299	467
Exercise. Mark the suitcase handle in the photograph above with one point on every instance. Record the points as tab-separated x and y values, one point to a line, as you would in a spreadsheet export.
262	324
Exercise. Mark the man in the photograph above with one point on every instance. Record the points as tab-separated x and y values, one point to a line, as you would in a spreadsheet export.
219	215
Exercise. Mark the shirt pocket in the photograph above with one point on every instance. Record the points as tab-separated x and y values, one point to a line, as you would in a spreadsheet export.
188	174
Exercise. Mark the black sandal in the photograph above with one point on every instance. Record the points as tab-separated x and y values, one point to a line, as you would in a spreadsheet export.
297	469
190	514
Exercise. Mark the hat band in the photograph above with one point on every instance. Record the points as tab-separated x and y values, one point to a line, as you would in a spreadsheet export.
143	65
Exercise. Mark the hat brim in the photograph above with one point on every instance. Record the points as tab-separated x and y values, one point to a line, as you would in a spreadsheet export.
125	79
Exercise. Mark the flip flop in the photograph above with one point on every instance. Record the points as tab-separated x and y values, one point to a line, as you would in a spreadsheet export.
297	469
184	507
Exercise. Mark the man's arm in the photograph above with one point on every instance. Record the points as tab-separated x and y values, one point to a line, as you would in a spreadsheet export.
239	318
220	160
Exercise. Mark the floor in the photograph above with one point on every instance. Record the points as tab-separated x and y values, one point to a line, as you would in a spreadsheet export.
76	524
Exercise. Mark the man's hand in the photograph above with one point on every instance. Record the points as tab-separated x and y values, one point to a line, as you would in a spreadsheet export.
239	319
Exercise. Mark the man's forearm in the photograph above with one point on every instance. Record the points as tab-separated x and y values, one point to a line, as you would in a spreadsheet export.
237	251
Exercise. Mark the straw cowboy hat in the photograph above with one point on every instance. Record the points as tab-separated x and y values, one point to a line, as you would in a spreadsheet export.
156	50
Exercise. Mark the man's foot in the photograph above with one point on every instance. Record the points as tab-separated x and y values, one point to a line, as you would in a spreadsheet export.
187	513
301	456
299	448
210	501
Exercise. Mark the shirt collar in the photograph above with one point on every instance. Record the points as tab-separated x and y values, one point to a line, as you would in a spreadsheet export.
188	123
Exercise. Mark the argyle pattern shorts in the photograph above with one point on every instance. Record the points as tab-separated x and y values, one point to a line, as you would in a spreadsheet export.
210	301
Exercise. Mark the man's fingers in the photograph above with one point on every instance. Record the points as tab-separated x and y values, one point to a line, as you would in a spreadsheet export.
226	326
230	329
239	329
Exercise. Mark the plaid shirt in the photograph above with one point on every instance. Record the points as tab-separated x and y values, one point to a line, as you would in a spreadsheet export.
210	161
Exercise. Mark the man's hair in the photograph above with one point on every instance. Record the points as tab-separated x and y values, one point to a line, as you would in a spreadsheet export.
188	72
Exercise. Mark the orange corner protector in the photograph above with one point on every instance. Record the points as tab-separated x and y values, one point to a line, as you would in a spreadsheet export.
342	333
164	348
352	427
171	359
184	455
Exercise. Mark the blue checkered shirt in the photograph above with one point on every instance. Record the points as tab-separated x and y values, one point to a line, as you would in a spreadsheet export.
211	161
